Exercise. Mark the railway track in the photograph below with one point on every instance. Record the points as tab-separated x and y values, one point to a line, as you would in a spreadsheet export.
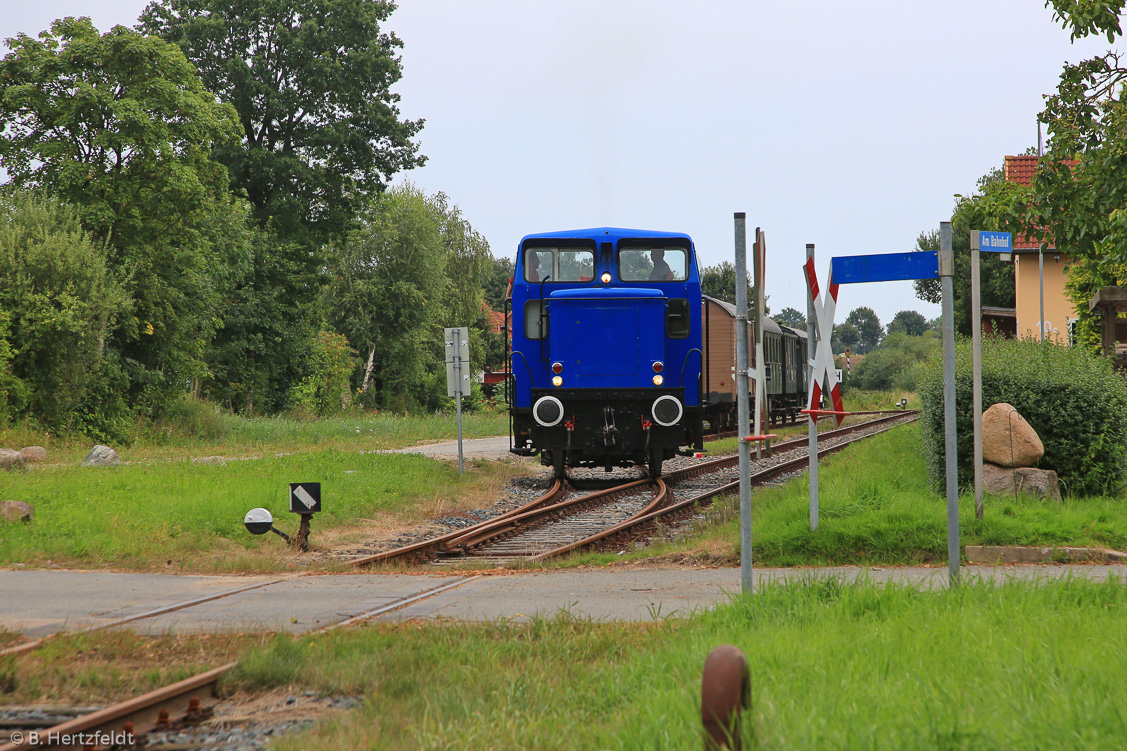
181	704
558	522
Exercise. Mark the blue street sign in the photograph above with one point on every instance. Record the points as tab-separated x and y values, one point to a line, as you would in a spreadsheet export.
996	242
887	267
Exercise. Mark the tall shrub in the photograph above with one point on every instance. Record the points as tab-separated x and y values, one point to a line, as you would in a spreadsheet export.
62	302
1072	398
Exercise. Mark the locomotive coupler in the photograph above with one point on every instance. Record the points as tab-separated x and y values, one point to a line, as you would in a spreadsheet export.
610	431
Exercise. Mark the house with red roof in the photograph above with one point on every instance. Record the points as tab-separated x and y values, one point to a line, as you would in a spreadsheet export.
1025	320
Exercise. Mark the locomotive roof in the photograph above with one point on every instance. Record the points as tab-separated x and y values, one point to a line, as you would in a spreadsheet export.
609	234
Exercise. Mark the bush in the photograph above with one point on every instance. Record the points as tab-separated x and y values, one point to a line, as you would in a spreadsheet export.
1073	399
896	363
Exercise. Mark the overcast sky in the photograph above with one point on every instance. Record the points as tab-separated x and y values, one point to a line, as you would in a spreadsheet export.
847	125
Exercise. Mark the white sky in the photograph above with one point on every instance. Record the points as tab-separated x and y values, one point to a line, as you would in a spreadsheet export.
848	125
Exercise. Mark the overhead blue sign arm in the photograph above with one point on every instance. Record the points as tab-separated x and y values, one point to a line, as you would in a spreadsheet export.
886	267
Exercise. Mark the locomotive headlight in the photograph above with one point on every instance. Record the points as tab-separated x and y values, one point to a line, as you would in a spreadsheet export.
605	277
658	380
557	380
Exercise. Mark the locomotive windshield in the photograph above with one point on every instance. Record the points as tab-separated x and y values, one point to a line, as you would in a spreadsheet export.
653	265
559	265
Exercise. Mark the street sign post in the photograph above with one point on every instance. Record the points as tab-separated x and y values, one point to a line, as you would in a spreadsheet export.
995	242
743	408
924	265
457	342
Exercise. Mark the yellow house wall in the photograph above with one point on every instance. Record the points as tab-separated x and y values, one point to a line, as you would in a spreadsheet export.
1058	308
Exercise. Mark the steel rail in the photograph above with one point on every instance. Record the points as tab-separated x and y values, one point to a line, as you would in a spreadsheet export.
502	527
182	701
728	461
429	548
464	539
758	478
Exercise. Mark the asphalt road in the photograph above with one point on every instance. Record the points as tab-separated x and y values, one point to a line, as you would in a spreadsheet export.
38	603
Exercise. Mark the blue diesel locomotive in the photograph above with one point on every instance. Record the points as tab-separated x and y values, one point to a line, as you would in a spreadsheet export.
606	353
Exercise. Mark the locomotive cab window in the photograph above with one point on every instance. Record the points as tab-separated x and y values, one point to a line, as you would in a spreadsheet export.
535	325
653	264
559	265
677	323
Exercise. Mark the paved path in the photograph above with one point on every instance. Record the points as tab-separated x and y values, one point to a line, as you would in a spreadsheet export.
496	447
38	603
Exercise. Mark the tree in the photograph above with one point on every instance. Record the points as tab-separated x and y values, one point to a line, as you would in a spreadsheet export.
908	322
384	285
61	301
869	330
311	81
845	335
896	363
119	126
792	318
997	207
719	281
496	282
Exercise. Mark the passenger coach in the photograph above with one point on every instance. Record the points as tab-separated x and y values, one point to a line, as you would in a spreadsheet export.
606	348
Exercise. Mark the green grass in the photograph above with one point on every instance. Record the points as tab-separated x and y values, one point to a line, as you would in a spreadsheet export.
204	430
876	508
832	667
184	516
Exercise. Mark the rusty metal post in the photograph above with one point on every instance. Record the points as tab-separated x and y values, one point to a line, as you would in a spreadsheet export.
725	694
302	538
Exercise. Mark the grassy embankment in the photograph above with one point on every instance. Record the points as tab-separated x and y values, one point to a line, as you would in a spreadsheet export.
166	513
876	508
833	667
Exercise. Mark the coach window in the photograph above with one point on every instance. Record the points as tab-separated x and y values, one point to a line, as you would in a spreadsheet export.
653	264
677	318
535	325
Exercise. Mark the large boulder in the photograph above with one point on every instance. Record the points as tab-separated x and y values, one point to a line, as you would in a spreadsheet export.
100	456
1007	439
10	459
15	511
1013	480
33	454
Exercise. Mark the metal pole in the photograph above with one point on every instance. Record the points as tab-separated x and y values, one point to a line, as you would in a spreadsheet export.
742	406
946	272
458	393
976	360
813	424
1041	286
760	364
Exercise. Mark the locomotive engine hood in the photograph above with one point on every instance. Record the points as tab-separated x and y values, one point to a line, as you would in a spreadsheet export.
607	337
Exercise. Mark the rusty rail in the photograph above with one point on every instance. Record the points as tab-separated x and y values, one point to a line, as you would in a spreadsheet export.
430	548
184	702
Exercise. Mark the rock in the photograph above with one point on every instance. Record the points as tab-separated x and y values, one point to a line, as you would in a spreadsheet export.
101	456
1011	481
33	454
10	459
219	460
16	511
1007	439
